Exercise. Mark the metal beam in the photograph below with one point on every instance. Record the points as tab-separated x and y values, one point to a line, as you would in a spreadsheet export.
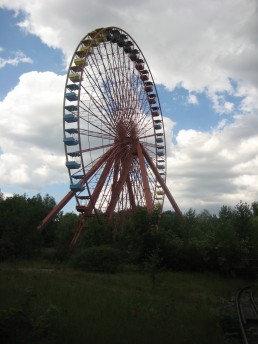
161	181
77	233
146	187
130	192
52	214
100	183
119	186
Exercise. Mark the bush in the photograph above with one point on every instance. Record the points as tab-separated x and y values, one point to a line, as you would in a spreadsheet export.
98	259
28	323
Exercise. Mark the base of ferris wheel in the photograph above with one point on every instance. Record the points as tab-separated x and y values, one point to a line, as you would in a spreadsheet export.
84	220
89	211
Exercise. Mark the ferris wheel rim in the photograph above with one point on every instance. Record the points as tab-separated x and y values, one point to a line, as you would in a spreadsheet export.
91	36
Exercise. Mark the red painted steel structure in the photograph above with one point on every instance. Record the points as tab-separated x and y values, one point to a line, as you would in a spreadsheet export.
114	134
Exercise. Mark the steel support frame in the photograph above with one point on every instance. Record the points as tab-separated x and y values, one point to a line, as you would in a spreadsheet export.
89	208
126	165
146	187
161	181
100	183
52	214
130	192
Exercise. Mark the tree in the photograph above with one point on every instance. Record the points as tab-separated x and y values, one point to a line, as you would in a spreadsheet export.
241	219
96	233
20	217
66	226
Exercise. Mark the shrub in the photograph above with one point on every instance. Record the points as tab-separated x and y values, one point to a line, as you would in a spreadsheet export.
98	259
28	323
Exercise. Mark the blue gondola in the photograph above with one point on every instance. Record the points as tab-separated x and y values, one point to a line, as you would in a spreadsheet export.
73	154
160	153
71	96
72	165
72	130
71	108
78	176
77	187
70	118
70	141
73	87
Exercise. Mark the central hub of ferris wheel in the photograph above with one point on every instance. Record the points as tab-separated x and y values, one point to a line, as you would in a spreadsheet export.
126	130
114	135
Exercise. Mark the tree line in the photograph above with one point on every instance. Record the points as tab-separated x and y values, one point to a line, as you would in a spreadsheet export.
227	242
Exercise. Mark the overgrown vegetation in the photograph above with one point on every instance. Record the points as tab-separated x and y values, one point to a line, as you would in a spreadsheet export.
59	305
97	259
141	282
227	242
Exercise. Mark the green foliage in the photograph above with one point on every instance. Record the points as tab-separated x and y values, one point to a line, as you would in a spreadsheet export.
67	224
96	233
97	259
20	217
136	237
152	265
28	324
227	243
76	307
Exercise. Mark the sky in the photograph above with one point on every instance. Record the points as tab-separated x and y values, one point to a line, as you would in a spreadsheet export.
203	56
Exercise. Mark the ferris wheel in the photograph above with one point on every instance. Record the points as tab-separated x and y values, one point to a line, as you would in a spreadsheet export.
114	135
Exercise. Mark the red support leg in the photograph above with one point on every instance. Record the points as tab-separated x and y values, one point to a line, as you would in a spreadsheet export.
161	181
93	199
115	175
146	188
100	183
130	192
115	195
70	194
77	233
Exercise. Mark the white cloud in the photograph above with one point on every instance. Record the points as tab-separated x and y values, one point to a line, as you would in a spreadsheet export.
215	168
31	132
192	99
19	57
220	105
201	46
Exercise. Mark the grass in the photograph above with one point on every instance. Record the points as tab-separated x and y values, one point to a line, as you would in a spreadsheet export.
70	306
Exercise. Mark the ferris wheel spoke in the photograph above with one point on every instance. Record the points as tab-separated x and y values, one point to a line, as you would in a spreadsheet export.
100	131
93	77
98	134
95	148
96	116
104	110
146	137
114	68
107	78
118	86
100	87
